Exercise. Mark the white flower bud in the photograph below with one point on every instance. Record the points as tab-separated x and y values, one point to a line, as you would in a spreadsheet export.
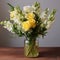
49	23
43	16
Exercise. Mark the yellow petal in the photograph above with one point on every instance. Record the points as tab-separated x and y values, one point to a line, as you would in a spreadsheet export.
26	25
30	15
32	22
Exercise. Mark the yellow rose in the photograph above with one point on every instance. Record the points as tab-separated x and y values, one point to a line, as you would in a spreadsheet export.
32	22
30	15
26	25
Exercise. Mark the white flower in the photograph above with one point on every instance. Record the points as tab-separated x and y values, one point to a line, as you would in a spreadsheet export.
8	25
34	7
15	16
49	23
16	20
28	9
43	16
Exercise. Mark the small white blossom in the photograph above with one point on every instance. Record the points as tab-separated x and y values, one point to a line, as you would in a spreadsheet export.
43	16
34	7
16	20
49	23
15	16
8	25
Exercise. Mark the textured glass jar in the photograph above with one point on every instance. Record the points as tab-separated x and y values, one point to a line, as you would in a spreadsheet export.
31	48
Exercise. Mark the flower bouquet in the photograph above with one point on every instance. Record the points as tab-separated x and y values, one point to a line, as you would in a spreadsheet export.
30	22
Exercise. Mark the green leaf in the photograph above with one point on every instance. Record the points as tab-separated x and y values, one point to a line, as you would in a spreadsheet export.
37	4
37	7
53	12
11	7
46	10
52	15
17	31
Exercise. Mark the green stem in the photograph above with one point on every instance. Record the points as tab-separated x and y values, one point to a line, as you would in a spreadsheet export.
31	47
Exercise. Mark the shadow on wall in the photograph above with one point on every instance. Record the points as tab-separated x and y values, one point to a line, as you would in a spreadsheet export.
4	34
4	37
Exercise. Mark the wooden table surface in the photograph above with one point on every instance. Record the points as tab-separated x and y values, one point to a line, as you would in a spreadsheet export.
46	53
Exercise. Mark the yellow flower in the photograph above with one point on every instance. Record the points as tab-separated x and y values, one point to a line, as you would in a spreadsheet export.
30	18
32	22
30	15
26	25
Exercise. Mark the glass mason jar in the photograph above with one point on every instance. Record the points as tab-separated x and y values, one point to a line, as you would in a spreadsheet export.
31	48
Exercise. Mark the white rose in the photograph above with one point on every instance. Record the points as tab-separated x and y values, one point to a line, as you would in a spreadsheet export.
28	9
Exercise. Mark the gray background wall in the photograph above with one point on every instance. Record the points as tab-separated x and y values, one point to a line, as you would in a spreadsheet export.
51	40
